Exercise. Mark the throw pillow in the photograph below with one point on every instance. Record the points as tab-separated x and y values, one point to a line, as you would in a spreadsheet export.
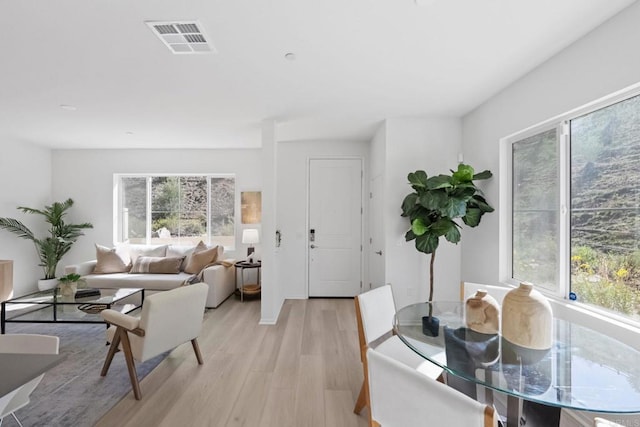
200	259
110	260
157	265
147	250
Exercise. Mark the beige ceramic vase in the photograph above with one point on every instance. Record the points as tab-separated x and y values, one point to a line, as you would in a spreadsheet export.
482	313
527	320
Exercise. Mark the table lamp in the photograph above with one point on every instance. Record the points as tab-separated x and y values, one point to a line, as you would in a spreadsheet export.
250	236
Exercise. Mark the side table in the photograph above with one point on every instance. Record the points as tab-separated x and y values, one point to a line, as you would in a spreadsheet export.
251	288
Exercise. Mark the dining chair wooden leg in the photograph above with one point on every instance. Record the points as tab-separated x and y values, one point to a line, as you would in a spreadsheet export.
131	367
113	348
362	400
196	349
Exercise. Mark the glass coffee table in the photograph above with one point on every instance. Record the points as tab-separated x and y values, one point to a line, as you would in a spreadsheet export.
51	306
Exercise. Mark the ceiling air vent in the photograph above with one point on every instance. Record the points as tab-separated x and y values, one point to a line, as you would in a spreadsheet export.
182	37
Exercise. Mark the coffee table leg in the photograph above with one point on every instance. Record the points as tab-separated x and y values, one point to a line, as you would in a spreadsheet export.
3	315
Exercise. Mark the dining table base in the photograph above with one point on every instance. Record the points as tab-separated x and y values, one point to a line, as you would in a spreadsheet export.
531	414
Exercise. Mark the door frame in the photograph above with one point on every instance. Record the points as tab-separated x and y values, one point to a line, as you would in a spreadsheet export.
364	211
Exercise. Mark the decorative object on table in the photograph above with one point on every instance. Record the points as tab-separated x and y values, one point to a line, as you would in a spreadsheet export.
251	207
482	313
250	236
56	244
69	283
6	279
527	323
434	205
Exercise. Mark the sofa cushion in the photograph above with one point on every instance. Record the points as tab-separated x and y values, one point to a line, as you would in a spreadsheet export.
158	282
157	265
200	258
147	250
110	260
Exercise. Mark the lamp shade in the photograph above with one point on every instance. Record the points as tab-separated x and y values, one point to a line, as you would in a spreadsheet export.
250	236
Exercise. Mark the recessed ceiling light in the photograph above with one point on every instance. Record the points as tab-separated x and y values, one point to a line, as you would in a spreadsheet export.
424	2
68	107
290	56
129	133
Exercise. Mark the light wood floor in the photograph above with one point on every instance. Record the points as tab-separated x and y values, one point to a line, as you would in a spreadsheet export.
305	371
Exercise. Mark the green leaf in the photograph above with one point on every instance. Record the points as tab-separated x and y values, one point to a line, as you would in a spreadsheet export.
419	227
455	208
442	226
427	243
464	191
409	235
453	235
483	175
418	179
472	218
409	204
440	181
480	203
433	200
463	174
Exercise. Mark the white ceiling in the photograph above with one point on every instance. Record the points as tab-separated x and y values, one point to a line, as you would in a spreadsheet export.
358	62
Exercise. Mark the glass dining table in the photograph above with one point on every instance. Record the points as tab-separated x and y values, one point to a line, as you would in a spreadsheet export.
583	370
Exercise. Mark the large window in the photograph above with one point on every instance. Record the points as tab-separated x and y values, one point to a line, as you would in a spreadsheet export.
575	205
179	209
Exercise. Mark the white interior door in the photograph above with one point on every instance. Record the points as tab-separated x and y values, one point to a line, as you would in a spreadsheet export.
376	234
335	227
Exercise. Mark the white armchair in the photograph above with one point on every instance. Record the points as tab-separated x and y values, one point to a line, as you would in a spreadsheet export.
167	320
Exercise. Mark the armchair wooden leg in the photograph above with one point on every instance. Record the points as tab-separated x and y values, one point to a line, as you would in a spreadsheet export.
131	367
362	400
113	348
196	349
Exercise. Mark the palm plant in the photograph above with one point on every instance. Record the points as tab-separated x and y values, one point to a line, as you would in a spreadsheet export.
59	240
436	202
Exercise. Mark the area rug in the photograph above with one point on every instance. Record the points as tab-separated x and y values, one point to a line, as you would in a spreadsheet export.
73	393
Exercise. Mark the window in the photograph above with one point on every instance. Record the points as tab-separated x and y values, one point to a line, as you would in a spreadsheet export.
178	209
575	205
535	209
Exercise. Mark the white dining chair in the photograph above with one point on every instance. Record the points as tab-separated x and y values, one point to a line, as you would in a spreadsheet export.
601	422
375	310
28	344
401	397
168	319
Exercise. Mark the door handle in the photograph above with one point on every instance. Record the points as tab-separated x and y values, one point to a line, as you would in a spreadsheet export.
312	246
379	253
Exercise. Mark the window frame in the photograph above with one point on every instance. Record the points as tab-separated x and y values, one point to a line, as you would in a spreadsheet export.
117	202
562	123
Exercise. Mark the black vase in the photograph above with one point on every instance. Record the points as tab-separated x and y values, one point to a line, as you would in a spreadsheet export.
430	326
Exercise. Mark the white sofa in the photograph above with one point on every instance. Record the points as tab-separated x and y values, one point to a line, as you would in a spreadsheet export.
219	277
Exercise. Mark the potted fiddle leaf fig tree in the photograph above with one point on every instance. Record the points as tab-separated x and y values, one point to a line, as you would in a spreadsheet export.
55	244
434	209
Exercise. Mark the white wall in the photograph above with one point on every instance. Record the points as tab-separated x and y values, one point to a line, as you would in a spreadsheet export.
430	144
601	63
87	177
25	173
292	184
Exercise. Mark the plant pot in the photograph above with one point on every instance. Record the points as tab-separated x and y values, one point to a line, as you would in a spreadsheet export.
430	326
46	284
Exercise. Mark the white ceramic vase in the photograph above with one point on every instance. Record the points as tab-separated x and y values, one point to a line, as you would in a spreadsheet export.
527	319
482	313
46	284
